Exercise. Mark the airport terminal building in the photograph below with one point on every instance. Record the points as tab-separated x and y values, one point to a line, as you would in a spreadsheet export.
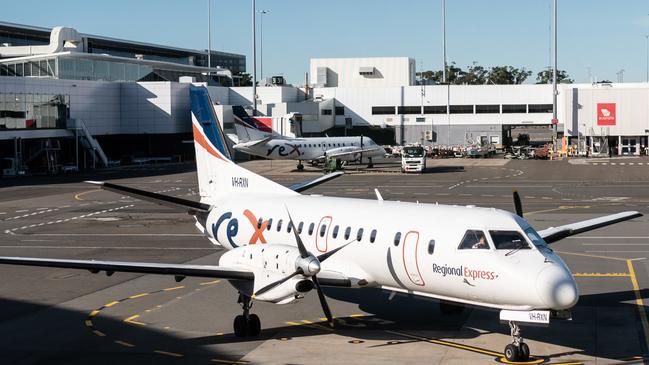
68	98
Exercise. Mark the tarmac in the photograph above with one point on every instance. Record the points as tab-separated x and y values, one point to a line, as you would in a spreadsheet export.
66	316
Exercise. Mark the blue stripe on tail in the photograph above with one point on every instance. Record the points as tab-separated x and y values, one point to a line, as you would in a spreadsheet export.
201	106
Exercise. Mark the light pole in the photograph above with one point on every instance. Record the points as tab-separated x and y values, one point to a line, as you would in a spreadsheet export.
254	58
647	71
261	41
444	39
555	122
209	36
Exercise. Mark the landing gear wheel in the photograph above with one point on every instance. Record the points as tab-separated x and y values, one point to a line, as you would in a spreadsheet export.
240	326
511	353
300	167
254	325
524	352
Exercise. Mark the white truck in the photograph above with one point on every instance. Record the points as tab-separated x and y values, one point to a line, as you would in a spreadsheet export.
413	159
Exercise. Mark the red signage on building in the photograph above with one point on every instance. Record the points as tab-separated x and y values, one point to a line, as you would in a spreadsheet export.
606	114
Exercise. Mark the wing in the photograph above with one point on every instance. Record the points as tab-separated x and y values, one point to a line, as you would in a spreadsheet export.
554	234
171	201
178	270
300	187
253	143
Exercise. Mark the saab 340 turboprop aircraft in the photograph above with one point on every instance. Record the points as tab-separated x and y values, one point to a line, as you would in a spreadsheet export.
282	244
257	139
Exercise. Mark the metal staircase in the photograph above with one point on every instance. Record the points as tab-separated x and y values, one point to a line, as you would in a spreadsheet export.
87	140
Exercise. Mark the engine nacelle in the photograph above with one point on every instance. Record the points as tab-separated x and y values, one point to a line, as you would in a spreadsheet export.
270	263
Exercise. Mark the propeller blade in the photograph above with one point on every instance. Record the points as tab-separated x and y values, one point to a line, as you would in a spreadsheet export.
323	301
300	245
276	283
517	204
326	255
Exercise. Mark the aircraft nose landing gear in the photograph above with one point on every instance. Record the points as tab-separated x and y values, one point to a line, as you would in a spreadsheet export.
246	324
517	351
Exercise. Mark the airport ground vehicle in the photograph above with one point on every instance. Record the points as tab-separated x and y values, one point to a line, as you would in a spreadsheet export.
413	159
10	167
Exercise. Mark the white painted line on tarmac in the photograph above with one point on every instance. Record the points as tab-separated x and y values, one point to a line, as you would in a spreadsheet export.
609	237
615	244
22	211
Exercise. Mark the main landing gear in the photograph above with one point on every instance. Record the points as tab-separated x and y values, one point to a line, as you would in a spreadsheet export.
246	324
517	351
370	164
300	167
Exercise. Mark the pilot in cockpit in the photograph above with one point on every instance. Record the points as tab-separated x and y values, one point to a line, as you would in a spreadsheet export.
481	244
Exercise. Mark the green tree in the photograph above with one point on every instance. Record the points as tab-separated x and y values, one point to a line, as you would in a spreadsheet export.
474	75
245	80
507	75
545	77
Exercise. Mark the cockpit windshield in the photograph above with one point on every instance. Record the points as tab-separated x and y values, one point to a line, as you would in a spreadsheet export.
536	239
413	151
508	240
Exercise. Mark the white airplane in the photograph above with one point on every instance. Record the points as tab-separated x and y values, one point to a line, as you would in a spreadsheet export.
255	138
282	244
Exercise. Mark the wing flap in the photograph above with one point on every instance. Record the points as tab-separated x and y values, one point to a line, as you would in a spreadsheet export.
206	271
554	234
170	201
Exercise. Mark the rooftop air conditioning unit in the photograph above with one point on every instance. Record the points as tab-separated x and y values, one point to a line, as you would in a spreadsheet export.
366	71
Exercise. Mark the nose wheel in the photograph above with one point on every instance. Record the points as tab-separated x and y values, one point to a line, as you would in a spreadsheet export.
517	351
246	324
300	167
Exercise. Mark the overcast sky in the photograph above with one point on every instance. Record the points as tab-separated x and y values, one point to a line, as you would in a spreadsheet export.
603	35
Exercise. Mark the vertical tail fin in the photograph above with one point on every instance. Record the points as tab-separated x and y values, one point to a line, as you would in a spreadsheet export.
249	128
218	175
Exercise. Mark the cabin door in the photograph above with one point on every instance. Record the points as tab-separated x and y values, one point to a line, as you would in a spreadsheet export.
411	259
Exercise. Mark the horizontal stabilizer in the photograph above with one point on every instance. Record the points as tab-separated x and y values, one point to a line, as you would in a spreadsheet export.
554	234
300	187
161	199
110	267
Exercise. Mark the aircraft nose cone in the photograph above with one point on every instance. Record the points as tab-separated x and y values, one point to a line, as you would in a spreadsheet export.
557	288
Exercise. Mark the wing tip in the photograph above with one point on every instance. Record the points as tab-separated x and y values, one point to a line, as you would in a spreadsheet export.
91	182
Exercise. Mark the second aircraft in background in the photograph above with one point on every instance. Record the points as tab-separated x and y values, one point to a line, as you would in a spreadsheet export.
255	138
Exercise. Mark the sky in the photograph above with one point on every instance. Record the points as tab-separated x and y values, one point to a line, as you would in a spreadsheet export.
602	36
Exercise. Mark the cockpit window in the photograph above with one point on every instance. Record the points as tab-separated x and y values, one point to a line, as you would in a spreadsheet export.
508	240
536	239
474	239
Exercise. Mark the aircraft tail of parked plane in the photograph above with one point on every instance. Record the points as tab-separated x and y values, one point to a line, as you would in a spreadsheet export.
249	128
218	175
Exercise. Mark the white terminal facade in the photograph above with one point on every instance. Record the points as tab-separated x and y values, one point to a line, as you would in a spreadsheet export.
137	104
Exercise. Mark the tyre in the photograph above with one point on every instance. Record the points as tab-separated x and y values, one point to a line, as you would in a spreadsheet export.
240	326
511	353
524	351
254	325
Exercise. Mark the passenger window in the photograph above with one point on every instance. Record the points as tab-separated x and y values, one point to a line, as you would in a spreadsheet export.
508	240
311	226
397	238
335	233
299	227
259	221
323	229
431	247
474	239
289	227
373	236
348	231
359	234
279	225
270	223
